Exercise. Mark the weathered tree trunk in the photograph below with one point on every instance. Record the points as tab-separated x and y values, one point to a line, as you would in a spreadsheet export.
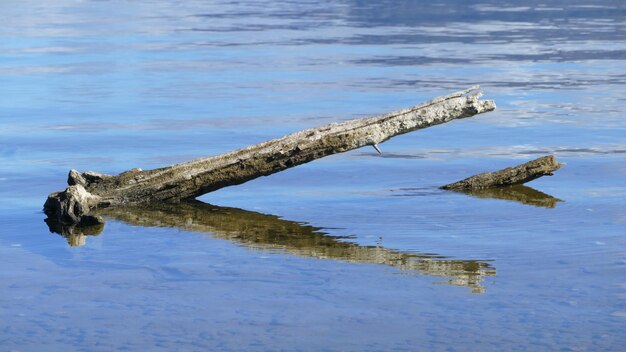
519	174
188	180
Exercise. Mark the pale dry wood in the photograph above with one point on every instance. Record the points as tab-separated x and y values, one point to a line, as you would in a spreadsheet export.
188	180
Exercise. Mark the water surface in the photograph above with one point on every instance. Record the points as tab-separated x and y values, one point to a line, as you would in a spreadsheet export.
352	252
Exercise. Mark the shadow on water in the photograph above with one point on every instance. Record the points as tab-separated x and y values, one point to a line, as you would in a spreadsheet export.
518	193
270	233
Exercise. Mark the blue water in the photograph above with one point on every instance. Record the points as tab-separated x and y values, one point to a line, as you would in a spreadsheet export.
352	252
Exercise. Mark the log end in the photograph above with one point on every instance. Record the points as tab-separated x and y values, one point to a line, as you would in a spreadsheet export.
479	106
485	106
71	208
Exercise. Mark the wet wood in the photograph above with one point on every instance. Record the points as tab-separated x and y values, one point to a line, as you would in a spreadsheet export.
89	190
519	174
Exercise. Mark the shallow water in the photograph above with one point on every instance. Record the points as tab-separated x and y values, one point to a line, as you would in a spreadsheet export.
352	252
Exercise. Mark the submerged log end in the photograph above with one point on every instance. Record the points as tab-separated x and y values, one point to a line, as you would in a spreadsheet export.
516	175
72	206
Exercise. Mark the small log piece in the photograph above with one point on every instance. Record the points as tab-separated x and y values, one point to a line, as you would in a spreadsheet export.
519	174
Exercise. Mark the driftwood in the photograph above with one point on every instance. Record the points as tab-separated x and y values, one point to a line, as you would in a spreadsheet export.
90	190
519	174
270	233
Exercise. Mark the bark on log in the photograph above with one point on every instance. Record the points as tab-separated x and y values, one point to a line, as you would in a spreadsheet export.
519	174
188	180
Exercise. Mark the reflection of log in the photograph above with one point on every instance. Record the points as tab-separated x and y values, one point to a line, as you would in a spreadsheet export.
516	193
270	233
75	233
188	180
519	174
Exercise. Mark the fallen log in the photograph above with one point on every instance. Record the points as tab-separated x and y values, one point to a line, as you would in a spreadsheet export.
516	175
89	190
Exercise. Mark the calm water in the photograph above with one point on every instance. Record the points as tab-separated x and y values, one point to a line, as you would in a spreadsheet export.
349	253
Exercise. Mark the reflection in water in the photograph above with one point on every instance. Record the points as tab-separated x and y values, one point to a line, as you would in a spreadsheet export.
270	233
517	193
113	85
75	234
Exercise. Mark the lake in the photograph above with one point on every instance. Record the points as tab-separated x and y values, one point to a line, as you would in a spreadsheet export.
353	252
